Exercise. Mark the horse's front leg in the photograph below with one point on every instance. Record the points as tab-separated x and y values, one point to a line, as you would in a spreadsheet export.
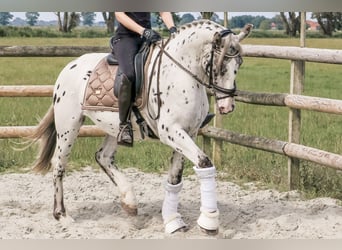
179	139
105	158
172	219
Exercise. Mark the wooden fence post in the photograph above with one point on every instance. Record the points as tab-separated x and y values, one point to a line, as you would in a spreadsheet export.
296	87
217	144
206	143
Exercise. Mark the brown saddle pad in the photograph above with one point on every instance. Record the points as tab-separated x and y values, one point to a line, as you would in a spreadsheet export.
99	93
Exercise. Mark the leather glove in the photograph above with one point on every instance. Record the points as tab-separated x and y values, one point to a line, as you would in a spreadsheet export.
151	35
173	30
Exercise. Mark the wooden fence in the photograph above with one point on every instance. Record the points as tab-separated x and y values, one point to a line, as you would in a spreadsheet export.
295	101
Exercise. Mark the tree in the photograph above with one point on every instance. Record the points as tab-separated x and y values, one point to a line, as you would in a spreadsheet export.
278	21
70	21
265	24
5	18
207	15
187	18
32	18
329	21
109	19
292	23
215	18
241	21
88	18
257	20
157	21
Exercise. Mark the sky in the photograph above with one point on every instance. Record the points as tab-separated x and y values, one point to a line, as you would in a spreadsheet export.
50	16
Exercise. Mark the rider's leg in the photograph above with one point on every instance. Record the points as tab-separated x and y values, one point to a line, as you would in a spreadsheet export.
125	50
125	136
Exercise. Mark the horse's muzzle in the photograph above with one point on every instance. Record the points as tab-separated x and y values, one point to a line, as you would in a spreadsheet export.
224	111
226	106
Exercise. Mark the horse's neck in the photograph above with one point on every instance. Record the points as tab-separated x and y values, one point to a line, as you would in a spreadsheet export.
193	39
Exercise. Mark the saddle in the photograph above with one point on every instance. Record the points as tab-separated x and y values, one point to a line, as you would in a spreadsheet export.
102	88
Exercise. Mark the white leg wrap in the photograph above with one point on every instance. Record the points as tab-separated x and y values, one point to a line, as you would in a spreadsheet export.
208	188
209	218
172	219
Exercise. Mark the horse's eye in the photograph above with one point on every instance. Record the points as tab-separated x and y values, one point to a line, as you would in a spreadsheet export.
232	50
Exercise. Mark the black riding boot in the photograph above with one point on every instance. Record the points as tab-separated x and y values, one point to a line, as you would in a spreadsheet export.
125	136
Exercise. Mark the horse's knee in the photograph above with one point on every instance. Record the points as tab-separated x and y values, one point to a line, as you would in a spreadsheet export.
204	162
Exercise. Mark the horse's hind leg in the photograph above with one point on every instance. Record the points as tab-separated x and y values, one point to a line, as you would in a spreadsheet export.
105	158
66	136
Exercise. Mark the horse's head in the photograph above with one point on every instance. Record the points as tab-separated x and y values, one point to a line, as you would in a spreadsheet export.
222	65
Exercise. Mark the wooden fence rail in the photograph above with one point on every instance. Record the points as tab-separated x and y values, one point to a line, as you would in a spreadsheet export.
292	101
49	51
293	53
7	132
26	90
319	104
275	146
279	52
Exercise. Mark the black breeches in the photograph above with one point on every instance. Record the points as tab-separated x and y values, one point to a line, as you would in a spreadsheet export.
125	49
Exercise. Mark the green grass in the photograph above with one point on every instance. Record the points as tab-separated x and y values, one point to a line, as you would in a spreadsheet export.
319	130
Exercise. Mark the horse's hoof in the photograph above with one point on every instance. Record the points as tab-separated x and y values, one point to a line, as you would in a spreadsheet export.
209	232
175	224
59	215
181	230
209	222
66	220
130	210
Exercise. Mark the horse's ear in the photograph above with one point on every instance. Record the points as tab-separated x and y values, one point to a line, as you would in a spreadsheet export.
217	39
245	31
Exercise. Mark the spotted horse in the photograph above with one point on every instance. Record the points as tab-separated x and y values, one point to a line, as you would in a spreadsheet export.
202	55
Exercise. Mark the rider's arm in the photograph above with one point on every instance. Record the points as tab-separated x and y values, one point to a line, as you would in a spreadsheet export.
129	23
167	19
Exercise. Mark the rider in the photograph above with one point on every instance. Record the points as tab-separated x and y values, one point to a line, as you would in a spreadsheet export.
133	30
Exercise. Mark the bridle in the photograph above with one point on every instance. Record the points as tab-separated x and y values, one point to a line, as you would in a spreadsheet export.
209	68
211	85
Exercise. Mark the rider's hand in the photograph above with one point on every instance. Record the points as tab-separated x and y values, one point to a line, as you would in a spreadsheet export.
173	31
151	35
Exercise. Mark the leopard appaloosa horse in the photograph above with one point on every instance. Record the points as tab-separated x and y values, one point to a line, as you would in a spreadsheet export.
202	55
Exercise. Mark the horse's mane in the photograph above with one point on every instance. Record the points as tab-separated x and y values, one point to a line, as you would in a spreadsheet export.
212	25
197	23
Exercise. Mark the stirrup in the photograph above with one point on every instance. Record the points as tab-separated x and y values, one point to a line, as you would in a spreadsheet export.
125	136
